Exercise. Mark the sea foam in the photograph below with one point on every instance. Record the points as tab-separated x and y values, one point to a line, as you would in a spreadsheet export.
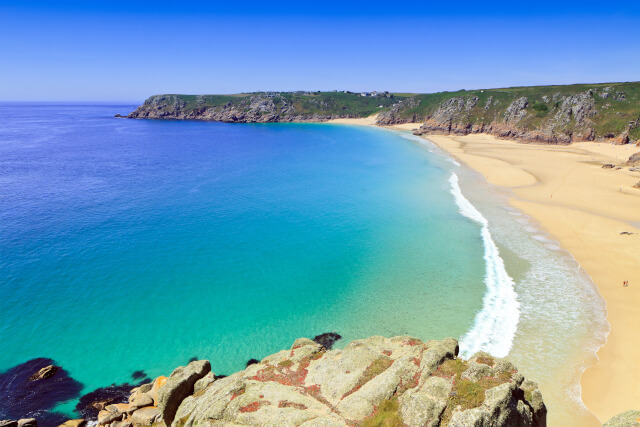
495	325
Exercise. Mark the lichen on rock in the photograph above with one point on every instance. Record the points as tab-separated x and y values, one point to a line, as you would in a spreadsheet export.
376	381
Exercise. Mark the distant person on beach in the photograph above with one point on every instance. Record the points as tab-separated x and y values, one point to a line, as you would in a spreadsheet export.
625	283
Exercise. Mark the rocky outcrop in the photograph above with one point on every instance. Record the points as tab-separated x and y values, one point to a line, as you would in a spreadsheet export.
634	159
625	419
257	108
570	122
90	404
376	381
180	385
393	115
44	373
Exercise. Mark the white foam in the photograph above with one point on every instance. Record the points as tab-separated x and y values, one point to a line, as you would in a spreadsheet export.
495	325
453	161
419	140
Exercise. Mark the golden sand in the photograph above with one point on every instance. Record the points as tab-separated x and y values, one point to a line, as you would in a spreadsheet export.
585	208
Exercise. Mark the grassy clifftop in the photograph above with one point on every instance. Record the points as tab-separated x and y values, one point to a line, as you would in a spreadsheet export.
553	114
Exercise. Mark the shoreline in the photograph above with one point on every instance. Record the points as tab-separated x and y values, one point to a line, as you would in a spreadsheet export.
585	208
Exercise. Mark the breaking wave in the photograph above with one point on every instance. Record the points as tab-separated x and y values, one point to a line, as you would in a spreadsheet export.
495	325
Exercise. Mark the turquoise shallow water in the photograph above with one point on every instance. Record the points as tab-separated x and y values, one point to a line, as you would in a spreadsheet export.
133	245
129	245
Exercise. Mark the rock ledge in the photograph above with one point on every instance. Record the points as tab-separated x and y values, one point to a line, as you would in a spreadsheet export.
376	381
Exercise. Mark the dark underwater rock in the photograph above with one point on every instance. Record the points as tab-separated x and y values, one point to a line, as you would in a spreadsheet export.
252	362
24	398
91	403
327	339
138	375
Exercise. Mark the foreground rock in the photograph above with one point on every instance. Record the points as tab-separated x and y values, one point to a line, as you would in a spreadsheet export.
625	419
376	381
180	385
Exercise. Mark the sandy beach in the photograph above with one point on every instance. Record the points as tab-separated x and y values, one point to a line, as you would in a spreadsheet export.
585	208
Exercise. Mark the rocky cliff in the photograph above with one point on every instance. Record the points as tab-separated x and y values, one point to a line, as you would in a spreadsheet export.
549	114
546	114
262	107
376	381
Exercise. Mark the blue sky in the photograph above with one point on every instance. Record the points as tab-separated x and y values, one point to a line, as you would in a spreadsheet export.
126	51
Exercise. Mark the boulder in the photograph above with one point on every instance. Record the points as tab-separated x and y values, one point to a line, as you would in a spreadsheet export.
155	386
140	400
115	412
204	382
634	160
145	416
143	389
178	386
28	422
8	423
625	419
44	373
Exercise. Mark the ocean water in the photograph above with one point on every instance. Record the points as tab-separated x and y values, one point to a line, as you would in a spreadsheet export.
129	245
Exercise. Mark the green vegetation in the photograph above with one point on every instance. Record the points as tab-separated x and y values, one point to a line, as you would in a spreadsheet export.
617	104
305	103
386	415
376	367
285	363
467	394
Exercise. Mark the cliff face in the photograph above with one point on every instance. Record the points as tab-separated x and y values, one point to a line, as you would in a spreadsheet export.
571	119
261	107
554	115
376	381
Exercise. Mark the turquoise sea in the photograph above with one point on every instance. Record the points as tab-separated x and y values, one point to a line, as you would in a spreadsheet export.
136	245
